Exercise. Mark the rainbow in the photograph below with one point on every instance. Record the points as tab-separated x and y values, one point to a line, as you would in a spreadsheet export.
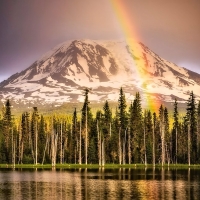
131	38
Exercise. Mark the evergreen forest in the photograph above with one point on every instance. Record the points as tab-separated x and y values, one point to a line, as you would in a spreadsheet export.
130	135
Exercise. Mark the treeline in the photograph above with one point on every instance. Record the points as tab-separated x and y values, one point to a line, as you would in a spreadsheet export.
130	135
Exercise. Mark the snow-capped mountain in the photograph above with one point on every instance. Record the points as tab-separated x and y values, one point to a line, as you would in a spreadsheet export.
104	66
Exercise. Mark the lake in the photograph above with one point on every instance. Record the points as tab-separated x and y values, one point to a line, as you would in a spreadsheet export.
100	184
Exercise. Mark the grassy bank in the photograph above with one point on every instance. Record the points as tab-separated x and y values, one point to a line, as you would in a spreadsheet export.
96	166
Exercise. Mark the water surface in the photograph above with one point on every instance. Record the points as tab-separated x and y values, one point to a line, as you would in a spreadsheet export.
100	184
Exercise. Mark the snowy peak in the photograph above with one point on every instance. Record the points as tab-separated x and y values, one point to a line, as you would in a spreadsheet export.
76	61
104	66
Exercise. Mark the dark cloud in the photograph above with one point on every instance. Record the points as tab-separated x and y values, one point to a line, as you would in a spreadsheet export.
30	28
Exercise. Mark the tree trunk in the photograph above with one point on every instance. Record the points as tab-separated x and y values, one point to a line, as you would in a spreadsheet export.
123	153
189	143
103	153
145	154
54	138
167	154
98	143
198	135
119	144
61	157
129	147
54	148
45	150
100	150
163	141
110	129
36	140
13	155
20	144
86	137
80	159
32	151
176	145
154	156
22	152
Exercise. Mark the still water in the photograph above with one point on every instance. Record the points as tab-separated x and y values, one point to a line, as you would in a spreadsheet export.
100	184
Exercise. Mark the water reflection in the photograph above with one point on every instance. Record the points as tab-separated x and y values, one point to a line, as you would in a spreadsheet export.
100	184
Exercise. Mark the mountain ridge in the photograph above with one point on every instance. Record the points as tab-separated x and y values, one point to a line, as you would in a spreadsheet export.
61	74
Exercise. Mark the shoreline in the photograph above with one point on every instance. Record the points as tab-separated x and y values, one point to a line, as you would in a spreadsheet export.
97	166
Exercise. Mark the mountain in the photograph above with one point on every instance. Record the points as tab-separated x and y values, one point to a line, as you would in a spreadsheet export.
103	66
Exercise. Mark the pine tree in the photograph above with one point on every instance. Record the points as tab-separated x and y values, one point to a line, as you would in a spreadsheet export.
86	122
154	139
7	129
99	130
93	142
114	140
25	140
122	110
144	137
162	133
107	113
149	136
167	136
34	134
107	130
136	128
198	130
175	133
74	142
182	143
54	140
41	138
123	120
192	128
22	134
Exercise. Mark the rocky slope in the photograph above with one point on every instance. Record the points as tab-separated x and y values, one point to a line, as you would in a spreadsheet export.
103	66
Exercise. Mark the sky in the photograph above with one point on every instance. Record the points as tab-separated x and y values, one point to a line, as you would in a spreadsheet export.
30	28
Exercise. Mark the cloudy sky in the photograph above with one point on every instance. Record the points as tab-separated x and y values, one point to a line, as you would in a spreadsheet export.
30	28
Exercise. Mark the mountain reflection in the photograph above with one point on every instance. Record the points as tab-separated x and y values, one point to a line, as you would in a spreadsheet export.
100	184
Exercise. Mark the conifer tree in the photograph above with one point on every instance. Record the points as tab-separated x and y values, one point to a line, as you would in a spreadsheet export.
93	143
167	136
122	110
74	142
136	128
175	133
144	137
46	145
198	130
34	134
182	143
123	126
192	128
25	140
114	140
80	142
7	129
154	139
100	137
149	137
41	138
86	122
107	113
127	137
22	134
162	133
54	140
107	130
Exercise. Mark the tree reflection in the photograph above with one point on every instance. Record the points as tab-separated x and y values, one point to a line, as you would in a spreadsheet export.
139	183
